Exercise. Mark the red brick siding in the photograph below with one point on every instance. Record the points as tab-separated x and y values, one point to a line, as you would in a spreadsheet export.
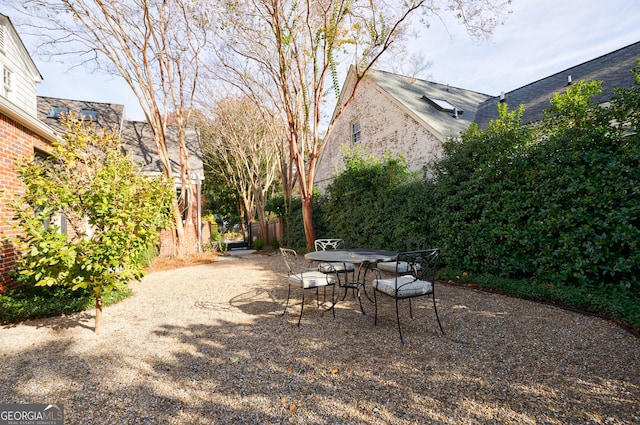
191	235
16	143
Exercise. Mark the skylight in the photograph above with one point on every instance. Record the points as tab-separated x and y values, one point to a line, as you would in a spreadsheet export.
56	112
443	105
88	114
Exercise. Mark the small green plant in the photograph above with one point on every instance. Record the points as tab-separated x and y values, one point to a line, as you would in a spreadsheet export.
275	244
90	181
214	246
259	243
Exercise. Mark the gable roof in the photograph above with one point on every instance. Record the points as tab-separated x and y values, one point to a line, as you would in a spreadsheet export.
136	136
613	69
109	115
432	103
138	141
25	56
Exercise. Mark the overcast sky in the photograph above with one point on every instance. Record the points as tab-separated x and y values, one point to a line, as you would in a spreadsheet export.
540	38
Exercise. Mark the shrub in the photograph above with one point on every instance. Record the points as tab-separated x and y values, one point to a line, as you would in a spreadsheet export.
259	243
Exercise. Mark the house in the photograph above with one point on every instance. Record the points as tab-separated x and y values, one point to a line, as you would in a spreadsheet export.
138	142
413	117
30	123
402	115
22	134
613	69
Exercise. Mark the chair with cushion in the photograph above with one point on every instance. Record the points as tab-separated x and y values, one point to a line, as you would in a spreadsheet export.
408	243
348	270
301	275
334	267
418	282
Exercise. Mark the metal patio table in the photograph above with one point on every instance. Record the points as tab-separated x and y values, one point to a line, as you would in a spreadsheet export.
362	257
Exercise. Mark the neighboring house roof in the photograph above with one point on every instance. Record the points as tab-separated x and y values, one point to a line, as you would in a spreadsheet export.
432	103
136	136
24	53
109	116
138	141
613	69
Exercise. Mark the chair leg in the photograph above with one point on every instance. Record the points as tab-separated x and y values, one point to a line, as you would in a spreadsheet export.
333	302
301	308
398	318
411	309
288	297
375	302
436	310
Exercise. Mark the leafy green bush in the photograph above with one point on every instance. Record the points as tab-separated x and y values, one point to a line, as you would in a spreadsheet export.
259	243
33	302
547	211
556	201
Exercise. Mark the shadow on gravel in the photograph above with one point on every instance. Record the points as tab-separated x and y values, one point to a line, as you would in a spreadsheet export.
345	371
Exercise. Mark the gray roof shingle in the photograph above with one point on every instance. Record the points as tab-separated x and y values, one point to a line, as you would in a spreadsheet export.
138	141
415	94
613	69
136	136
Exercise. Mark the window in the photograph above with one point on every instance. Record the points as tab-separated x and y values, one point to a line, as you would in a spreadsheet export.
7	79
88	114
57	111
355	132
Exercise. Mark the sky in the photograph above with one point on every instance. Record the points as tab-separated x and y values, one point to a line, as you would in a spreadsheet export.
540	38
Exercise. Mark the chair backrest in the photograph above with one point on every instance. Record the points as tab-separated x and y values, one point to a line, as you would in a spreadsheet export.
412	243
422	263
290	258
324	244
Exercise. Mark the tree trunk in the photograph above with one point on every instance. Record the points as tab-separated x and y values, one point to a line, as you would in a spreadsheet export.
264	231
98	322
307	220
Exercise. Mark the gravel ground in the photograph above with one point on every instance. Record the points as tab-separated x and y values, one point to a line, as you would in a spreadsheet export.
208	344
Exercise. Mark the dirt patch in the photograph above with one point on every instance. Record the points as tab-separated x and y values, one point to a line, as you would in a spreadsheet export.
168	263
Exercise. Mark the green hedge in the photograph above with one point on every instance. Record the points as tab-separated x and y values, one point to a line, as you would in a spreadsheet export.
556	202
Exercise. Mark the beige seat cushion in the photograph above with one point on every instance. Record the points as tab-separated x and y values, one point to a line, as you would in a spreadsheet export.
336	267
402	267
408	286
312	279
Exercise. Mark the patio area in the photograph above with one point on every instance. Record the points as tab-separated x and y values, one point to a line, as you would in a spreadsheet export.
208	344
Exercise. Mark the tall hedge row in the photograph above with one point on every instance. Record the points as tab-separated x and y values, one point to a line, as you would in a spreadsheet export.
556	201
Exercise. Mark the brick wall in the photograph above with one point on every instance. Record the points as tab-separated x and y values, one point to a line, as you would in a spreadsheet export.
16	143
191	235
384	127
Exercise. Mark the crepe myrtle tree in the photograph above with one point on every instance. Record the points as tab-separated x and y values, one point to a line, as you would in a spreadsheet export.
287	55
114	214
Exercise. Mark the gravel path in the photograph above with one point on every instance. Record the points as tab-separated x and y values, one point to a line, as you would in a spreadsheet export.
207	344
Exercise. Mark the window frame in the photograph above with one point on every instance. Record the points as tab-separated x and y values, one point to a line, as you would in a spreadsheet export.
355	130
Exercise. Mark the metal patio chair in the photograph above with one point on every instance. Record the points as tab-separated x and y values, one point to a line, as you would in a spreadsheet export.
418	282
301	275
332	267
407	243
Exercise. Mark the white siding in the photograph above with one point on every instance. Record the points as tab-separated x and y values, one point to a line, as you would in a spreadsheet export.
24	74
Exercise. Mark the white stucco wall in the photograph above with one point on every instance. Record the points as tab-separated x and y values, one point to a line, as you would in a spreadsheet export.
385	126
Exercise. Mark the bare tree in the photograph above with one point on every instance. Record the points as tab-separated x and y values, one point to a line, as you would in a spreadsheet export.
285	53
154	45
240	144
